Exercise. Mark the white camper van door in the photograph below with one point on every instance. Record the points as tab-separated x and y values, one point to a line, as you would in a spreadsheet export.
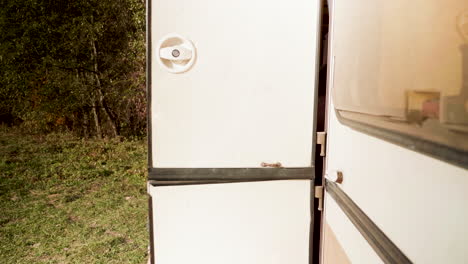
232	105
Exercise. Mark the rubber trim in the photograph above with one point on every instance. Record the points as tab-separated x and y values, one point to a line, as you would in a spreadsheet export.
382	245
439	151
230	174
151	229
148	81
148	123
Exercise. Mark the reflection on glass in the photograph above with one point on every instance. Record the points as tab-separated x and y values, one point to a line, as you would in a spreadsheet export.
403	65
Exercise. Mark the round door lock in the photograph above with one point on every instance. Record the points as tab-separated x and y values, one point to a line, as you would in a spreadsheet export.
176	54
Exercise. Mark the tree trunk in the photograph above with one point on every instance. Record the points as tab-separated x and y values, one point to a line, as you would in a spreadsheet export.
85	123
101	100
96	118
82	77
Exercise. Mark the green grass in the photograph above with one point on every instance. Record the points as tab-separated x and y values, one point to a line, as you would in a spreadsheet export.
67	200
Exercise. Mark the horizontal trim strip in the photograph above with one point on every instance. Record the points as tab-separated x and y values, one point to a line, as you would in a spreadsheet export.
446	153
229	174
382	245
157	183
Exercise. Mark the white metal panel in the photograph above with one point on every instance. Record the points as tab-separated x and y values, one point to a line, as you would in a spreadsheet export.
256	222
355	246
249	97
419	202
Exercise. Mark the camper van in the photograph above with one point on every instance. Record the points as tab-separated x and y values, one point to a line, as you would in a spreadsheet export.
307	131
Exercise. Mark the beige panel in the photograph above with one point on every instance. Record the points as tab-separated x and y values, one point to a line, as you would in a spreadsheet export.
333	252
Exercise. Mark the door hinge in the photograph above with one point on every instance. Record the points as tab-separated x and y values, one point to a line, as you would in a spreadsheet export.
322	141
319	196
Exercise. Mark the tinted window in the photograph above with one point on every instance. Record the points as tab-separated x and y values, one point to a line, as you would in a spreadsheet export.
403	66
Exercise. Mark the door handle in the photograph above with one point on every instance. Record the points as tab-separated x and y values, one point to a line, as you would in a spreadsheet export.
175	53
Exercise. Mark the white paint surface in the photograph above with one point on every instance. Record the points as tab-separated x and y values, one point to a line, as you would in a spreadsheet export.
419	202
257	223
249	97
353	243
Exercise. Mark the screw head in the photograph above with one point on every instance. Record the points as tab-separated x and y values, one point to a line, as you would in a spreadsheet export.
176	53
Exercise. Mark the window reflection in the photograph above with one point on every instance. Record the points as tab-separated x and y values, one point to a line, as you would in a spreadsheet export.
403	65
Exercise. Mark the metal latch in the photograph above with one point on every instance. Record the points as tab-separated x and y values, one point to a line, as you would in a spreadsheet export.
319	196
321	140
334	176
271	165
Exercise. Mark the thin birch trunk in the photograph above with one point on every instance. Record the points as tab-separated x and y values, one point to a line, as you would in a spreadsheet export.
96	118
100	95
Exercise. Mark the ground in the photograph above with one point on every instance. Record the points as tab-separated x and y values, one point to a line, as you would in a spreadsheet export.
68	200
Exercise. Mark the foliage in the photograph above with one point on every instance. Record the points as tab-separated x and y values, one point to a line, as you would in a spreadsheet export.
74	65
70	200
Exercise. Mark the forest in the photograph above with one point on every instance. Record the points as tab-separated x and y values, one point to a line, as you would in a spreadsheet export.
75	66
73	131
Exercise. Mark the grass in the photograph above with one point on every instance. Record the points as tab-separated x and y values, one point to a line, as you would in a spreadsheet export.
67	200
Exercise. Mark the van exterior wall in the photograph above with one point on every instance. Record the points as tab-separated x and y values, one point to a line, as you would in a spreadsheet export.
419	202
332	250
352	244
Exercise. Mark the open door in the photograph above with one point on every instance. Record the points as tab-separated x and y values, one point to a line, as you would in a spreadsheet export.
232	99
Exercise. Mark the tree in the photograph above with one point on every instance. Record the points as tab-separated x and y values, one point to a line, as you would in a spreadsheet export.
77	65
